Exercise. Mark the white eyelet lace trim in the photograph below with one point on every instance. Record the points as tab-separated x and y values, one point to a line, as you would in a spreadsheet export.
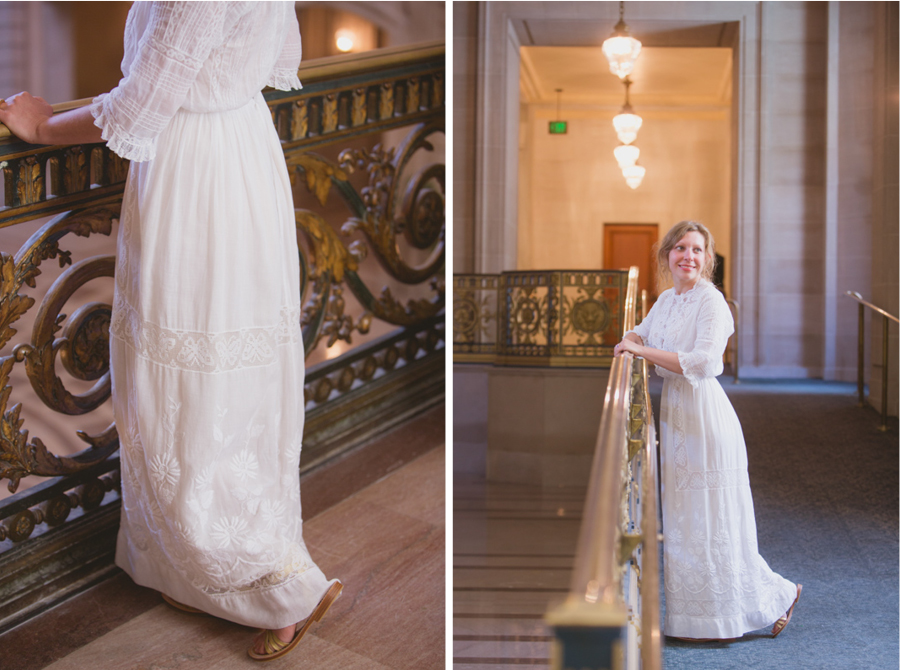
284	79
203	352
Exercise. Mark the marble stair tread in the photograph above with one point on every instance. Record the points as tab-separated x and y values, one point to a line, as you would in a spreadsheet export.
393	566
514	650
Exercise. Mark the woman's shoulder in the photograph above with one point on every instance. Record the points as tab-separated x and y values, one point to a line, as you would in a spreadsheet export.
710	297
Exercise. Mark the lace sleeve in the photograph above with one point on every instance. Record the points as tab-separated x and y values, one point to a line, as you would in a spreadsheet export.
714	327
284	74
178	39
642	330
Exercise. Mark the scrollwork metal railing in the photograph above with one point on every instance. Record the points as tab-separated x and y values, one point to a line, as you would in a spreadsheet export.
560	318
610	617
372	210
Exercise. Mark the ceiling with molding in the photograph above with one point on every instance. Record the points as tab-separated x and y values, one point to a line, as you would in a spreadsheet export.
698	77
685	64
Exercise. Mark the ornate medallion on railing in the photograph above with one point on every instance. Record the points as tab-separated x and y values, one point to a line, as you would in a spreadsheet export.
529	315
588	315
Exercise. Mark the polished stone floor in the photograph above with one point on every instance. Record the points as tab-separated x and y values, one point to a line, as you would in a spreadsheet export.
375	520
513	550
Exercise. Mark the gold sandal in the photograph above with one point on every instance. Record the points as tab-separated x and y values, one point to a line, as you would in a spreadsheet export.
274	647
181	606
782	623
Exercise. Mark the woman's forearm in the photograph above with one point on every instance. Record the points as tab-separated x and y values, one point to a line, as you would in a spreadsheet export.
664	359
31	119
74	127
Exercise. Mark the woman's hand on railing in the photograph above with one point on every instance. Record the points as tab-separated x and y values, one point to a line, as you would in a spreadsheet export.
24	114
31	118
631	343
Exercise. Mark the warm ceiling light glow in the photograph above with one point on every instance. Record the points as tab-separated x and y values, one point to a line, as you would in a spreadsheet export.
626	122
627	126
621	49
626	155
344	39
634	175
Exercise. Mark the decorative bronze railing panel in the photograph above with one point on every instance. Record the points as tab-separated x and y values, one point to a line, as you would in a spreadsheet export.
559	318
475	324
398	207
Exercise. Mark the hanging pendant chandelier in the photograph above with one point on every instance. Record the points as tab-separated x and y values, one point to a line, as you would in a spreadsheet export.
626	155
621	49
634	175
626	122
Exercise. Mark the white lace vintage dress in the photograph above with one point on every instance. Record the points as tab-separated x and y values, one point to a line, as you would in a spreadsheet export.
717	585
207	356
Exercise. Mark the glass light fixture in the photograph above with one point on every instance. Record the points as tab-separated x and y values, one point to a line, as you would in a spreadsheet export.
634	175
621	49
626	122
626	155
344	40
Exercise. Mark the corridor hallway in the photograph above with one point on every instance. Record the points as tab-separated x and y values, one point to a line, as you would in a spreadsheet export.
374	519
825	489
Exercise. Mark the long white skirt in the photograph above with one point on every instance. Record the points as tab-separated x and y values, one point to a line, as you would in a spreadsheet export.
717	585
207	360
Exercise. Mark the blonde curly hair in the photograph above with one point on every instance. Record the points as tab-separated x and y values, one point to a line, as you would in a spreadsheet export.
667	243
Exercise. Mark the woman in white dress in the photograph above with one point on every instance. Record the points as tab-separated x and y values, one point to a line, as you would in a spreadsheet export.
717	585
206	351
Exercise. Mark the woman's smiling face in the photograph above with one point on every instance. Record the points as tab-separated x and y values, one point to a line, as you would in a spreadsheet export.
686	260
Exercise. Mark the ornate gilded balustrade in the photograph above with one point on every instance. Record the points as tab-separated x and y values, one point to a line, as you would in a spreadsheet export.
611	615
543	318
359	140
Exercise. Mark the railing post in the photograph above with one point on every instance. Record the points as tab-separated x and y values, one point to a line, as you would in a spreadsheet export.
884	374
861	357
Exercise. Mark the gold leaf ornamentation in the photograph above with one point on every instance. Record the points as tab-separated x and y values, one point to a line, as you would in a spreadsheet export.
359	107
18	457
299	120
331	256
30	185
424	214
437	91
330	114
386	104
319	174
412	95
75	174
117	167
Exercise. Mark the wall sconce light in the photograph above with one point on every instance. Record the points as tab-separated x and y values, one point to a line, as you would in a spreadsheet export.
344	39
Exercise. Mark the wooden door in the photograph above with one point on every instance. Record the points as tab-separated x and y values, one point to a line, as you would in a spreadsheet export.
627	244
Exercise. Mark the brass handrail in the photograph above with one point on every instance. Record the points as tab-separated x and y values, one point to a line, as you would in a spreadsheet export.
651	635
861	356
319	69
595	599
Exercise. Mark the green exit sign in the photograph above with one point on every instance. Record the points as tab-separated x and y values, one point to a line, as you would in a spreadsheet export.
558	127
